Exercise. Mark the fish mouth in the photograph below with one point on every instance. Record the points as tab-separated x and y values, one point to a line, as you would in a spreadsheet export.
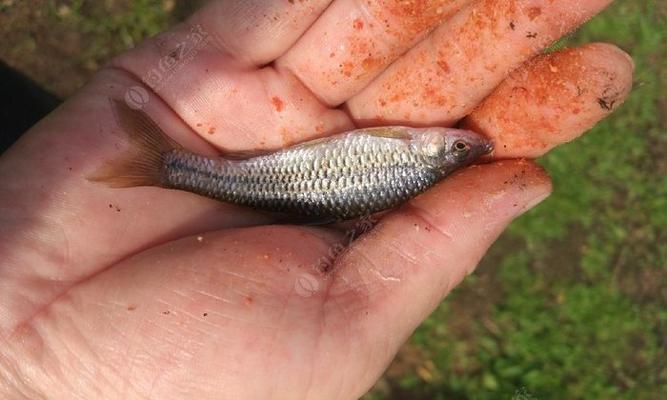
487	148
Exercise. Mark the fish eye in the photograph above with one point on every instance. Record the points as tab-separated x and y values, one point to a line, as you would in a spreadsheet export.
461	147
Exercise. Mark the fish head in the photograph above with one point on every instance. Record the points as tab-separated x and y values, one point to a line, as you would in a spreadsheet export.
447	149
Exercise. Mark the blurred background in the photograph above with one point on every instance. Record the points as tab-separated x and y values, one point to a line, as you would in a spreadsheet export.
571	302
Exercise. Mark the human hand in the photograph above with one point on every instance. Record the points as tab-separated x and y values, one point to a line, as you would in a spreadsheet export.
150	293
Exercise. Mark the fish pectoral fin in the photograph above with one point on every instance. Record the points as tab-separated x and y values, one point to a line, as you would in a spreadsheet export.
291	219
239	155
316	221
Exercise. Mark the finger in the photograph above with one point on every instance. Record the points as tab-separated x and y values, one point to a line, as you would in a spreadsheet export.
199	314
225	99
444	77
257	31
553	99
392	278
355	40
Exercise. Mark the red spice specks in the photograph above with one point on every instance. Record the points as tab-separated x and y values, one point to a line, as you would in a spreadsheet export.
358	24
444	66
370	63
418	16
211	130
533	12
347	68
278	103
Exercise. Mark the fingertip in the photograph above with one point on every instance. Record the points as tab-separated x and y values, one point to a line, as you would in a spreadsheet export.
614	56
554	99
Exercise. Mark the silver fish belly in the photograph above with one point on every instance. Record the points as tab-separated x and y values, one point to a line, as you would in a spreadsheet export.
351	175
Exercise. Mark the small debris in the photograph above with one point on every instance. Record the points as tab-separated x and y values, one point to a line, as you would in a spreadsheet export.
174	54
278	103
63	11
606	104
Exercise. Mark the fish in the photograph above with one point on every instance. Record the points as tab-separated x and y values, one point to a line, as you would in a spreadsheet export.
336	178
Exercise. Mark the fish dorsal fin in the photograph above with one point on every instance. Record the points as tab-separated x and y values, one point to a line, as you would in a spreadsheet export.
240	155
391	132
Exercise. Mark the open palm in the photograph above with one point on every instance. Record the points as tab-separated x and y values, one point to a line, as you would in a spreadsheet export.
152	293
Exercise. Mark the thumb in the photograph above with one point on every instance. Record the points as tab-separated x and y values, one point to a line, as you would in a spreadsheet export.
393	277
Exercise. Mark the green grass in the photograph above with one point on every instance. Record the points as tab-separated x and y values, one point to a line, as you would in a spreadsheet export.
577	288
115	26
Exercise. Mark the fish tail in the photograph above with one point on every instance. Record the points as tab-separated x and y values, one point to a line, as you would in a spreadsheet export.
143	164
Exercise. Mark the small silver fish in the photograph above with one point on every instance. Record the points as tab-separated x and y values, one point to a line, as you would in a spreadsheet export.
340	177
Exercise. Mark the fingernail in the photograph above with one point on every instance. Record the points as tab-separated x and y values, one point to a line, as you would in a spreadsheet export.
539	195
614	51
523	188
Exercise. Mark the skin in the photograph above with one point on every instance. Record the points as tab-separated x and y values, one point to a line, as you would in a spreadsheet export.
148	293
444	77
576	87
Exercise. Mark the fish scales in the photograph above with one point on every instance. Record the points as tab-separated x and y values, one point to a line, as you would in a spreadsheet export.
345	178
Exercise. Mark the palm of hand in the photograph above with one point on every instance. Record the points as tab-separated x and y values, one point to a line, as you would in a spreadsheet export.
151	293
